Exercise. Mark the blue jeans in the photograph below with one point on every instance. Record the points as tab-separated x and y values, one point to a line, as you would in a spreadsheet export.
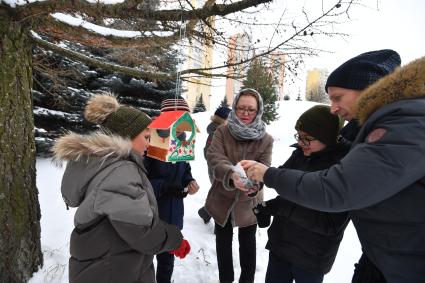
282	271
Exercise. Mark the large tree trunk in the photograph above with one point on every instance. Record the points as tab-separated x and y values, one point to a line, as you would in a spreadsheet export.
20	249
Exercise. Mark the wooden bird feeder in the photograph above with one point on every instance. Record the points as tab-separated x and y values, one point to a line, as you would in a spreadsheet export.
165	143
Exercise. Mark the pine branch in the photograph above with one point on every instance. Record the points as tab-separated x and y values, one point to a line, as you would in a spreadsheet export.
96	63
63	31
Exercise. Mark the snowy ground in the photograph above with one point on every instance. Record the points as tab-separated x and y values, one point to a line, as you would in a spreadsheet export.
200	265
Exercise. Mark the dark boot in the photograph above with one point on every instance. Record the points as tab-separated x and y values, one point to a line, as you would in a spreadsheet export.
204	215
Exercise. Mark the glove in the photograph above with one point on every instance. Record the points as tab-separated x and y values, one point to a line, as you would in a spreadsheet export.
183	250
263	214
176	190
179	192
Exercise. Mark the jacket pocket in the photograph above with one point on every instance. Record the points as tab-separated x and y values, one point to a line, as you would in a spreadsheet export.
89	271
92	242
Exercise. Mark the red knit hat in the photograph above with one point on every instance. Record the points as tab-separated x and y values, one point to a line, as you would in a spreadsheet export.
174	105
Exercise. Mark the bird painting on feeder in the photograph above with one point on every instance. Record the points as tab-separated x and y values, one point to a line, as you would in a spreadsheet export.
173	137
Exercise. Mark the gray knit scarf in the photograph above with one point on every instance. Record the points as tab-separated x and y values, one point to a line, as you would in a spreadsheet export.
240	131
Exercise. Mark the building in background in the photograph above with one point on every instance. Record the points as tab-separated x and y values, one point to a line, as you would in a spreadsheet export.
315	86
239	48
199	55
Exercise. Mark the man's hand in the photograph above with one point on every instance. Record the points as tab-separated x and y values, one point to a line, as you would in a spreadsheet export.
192	187
254	170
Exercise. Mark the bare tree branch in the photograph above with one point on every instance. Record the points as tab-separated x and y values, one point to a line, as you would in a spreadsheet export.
297	33
131	9
60	30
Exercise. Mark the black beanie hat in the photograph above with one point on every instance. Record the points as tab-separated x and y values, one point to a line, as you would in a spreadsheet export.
319	123
125	121
363	70
222	112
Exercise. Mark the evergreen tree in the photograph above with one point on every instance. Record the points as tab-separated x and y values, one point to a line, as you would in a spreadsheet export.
299	97
59	100
261	79
200	106
224	102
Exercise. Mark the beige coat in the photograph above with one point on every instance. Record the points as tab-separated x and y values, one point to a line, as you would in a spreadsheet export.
223	199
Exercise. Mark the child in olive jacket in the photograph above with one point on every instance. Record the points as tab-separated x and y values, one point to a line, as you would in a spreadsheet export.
117	226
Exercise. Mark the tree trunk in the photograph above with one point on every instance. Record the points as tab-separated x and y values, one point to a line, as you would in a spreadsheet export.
20	249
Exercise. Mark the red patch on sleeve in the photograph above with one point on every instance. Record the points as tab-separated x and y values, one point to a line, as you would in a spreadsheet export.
375	135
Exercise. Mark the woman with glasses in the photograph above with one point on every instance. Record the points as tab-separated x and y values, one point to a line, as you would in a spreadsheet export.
243	137
303	242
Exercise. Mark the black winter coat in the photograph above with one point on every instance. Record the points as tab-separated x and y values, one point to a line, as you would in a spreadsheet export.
349	133
381	181
305	237
168	179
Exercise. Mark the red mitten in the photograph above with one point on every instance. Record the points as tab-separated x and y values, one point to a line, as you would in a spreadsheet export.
183	250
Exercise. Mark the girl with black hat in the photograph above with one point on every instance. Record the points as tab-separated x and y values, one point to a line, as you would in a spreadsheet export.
303	242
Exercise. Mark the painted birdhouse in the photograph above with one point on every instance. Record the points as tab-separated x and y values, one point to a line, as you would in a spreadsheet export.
173	136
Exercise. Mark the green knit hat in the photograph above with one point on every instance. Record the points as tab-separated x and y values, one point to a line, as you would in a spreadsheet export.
125	121
320	123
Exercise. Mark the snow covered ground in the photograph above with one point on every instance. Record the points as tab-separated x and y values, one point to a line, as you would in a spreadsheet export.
200	265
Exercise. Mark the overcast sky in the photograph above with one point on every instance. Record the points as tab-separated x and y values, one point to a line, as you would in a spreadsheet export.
398	25
385	24
394	24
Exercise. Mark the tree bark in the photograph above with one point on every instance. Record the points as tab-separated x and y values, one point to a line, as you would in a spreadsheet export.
20	248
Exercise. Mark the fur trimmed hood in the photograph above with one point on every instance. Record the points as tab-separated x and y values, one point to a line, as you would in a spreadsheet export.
87	156
217	119
75	147
406	82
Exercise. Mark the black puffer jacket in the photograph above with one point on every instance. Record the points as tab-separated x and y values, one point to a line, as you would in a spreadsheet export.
305	237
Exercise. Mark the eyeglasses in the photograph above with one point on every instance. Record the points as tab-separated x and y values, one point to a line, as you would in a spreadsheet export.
242	110
304	140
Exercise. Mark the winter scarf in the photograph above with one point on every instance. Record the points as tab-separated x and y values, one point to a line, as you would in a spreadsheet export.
240	131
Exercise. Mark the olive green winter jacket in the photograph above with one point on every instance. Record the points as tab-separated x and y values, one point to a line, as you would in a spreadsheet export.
117	228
